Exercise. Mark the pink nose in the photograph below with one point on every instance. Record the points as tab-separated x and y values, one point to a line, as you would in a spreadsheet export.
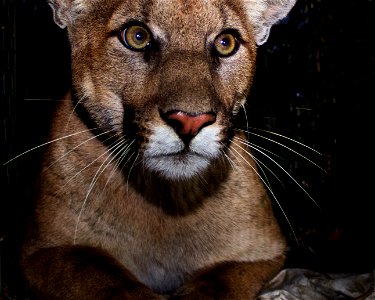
186	124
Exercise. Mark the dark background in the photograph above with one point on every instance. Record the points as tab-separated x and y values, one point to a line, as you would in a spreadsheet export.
314	83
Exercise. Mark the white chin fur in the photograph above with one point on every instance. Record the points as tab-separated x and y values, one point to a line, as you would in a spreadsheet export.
165	153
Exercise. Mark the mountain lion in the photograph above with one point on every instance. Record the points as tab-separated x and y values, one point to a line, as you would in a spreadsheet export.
148	190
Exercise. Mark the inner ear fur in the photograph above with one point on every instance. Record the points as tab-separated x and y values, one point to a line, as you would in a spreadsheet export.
265	13
65	11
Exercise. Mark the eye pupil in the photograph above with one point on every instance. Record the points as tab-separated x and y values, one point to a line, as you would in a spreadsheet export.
139	36
225	42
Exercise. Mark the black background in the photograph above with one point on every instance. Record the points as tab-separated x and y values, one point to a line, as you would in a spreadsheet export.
314	83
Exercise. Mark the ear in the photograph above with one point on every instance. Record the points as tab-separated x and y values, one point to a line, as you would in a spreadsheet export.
65	11
264	13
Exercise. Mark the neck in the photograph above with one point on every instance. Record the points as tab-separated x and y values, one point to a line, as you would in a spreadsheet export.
180	196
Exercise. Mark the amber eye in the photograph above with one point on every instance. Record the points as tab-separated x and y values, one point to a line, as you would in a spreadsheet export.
226	44
136	37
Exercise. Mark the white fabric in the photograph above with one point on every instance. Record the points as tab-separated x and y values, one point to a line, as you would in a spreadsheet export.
296	284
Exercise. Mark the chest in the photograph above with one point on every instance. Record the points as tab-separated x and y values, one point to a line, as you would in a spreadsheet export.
163	251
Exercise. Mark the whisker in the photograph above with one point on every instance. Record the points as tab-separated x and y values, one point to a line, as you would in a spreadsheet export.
45	99
202	181
130	170
264	149
267	186
231	162
283	169
72	112
100	171
71	150
124	152
113	145
231	149
247	121
288	148
280	135
259	162
47	143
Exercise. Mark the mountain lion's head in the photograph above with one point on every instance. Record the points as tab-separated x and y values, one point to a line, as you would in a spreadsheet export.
166	76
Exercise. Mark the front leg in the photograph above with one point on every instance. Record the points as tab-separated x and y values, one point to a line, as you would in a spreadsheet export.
230	281
78	272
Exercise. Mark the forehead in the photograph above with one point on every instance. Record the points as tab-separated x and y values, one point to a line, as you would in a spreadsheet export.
183	16
186	16
180	11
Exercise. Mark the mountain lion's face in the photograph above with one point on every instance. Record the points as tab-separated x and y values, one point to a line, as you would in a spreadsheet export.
163	77
166	76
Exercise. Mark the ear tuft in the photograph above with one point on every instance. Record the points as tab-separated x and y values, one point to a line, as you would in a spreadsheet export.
265	13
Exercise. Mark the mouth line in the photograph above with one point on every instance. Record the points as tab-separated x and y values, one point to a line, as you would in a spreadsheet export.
182	154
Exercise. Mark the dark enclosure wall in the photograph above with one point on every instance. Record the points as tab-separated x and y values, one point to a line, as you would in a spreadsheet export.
314	84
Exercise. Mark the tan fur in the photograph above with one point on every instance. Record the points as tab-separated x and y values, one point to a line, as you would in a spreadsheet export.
138	222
